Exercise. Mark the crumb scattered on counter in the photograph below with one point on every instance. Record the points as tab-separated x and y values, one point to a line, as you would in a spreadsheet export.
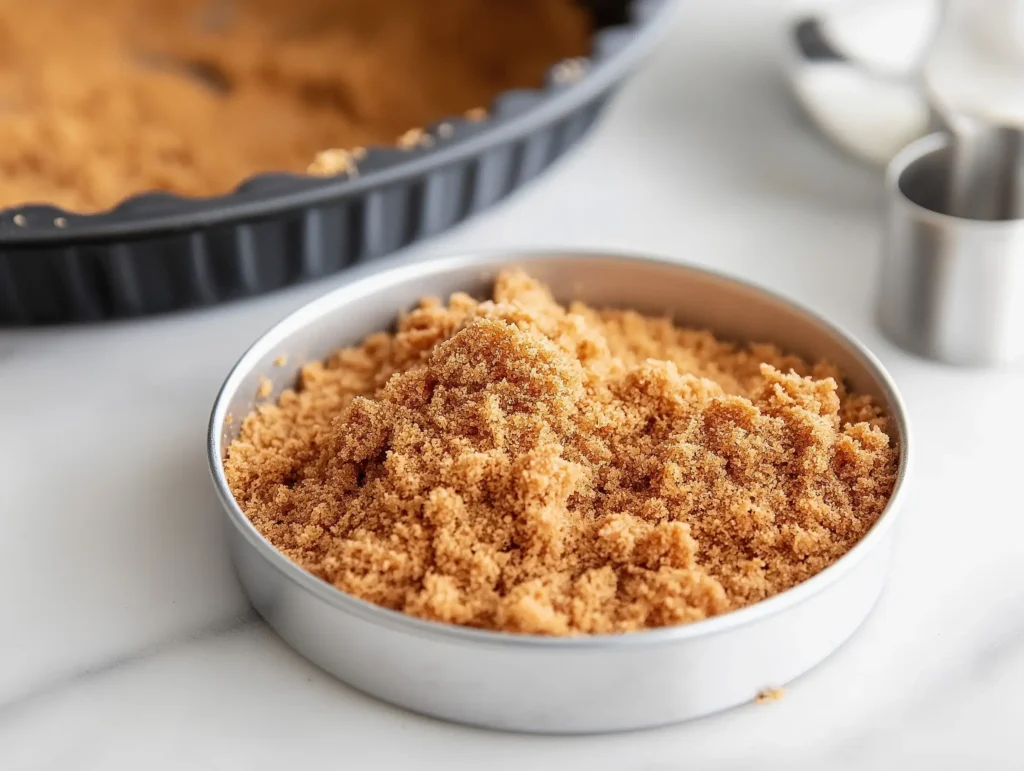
522	466
770	695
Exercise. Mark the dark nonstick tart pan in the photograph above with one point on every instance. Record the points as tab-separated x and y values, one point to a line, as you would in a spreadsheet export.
157	252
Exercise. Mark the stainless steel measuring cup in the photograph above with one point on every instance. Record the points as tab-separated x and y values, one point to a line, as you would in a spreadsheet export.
952	287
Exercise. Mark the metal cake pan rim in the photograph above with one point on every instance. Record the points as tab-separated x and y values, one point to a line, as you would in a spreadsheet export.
551	101
371	279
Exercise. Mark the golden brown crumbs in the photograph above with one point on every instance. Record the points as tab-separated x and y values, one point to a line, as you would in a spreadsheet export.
329	163
769	695
414	137
520	466
476	114
281	361
265	388
229	419
193	96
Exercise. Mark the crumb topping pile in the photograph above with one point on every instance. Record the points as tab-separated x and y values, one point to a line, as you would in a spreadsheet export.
101	99
519	466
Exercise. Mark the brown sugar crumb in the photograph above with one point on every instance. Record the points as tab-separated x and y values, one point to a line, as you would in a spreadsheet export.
415	137
193	96
329	163
769	695
521	466
265	388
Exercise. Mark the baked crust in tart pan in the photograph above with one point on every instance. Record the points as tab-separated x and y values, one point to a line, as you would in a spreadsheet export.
157	252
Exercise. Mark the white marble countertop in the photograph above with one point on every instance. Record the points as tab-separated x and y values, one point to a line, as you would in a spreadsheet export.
125	641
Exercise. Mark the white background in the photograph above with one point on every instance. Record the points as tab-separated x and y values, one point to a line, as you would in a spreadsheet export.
125	641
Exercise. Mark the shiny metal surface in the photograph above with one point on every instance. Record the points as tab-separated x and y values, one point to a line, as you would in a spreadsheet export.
540	684
951	288
853	66
986	174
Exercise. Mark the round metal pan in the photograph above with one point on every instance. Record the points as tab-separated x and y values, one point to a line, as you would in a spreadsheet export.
542	684
157	252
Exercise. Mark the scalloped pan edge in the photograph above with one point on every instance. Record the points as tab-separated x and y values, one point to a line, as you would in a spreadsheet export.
157	252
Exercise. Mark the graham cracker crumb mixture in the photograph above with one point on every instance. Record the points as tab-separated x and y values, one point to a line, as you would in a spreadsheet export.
101	99
519	466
